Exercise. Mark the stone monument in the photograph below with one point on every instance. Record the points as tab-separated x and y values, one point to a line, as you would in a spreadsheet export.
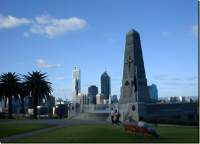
134	92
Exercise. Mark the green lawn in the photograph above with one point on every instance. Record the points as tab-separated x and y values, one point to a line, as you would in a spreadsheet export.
112	134
12	129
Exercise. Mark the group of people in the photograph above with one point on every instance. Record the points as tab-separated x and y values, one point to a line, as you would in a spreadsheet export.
149	128
115	119
115	116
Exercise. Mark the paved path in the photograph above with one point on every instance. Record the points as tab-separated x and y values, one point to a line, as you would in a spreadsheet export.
57	122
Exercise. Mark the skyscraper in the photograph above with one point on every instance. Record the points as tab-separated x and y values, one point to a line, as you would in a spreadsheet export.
92	92
82	98
76	83
153	92
114	99
105	85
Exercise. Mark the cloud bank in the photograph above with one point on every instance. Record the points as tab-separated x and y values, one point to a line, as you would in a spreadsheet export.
44	25
7	22
41	63
51	27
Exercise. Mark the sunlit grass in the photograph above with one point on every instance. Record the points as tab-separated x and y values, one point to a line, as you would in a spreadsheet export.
99	133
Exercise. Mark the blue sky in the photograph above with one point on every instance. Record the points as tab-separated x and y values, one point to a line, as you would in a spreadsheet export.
54	36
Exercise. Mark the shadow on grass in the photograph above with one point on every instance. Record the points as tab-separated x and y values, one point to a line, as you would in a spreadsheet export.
13	129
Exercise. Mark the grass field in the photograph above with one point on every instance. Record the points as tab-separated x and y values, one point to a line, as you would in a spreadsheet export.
12	129
112	134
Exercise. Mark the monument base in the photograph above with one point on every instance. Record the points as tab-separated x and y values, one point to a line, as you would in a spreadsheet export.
126	111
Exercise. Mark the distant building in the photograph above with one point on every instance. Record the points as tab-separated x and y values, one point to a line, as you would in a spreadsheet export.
50	104
76	83
99	98
61	110
92	92
27	103
178	99
114	99
153	92
184	99
181	99
16	105
59	101
175	99
105	85
83	98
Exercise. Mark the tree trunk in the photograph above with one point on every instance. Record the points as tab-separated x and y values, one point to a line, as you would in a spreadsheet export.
10	107
35	106
5	100
22	106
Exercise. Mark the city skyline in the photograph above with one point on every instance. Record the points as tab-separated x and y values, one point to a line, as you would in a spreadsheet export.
92	37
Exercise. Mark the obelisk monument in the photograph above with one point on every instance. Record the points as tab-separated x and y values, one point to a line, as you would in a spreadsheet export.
134	83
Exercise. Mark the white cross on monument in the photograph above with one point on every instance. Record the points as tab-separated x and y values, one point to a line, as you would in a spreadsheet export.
129	61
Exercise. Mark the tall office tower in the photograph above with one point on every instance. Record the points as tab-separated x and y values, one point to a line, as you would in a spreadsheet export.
83	99
76	83
153	92
114	99
105	85
92	92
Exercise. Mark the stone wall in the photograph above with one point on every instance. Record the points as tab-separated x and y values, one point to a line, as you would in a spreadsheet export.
174	112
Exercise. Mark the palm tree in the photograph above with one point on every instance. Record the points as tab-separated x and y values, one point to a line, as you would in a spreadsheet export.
23	92
10	86
2	95
38	86
1	92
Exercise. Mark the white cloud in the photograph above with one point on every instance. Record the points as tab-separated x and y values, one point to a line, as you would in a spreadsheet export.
195	30
52	27
41	63
10	21
43	19
44	25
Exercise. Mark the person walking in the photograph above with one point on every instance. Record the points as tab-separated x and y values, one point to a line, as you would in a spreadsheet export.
117	117
112	115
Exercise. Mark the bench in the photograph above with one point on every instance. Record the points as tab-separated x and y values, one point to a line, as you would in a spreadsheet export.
135	129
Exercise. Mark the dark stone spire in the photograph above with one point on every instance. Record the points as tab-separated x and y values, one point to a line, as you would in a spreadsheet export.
134	73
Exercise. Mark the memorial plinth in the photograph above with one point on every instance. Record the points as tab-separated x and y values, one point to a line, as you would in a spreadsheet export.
134	83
